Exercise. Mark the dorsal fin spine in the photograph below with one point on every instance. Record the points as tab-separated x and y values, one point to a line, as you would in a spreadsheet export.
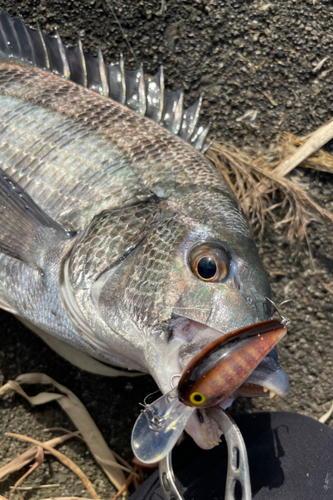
17	40
30	53
173	112
42	41
83	62
162	89
199	138
3	47
142	93
65	64
208	144
123	80
190	119
178	114
136	90
102	73
10	35
196	116
155	96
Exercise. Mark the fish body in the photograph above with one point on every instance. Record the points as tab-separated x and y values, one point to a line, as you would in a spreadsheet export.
105	214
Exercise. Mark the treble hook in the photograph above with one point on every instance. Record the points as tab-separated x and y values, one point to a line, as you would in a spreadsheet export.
285	321
145	404
155	422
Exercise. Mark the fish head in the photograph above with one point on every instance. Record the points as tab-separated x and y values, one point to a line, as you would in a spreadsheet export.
169	308
206	310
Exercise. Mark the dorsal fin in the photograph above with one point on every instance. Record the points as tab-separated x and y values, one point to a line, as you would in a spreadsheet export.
190	120
136	90
173	110
155	96
19	41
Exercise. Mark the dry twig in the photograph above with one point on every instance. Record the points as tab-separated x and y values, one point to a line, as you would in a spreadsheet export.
128	481
315	141
29	455
65	460
37	487
78	414
80	417
327	415
328	286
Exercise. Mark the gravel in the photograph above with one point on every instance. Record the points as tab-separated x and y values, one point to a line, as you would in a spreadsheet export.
244	56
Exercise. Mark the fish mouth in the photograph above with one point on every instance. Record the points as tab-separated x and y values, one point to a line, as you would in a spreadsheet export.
267	380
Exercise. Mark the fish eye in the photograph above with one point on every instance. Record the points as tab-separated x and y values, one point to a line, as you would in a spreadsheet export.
197	398
209	262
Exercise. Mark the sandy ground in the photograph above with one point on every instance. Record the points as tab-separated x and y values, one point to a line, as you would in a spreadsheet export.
244	56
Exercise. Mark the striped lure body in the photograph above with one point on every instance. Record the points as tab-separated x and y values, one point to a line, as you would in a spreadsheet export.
106	201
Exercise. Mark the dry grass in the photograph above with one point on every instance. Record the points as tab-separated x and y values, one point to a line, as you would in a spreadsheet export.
87	430
287	145
265	194
60	456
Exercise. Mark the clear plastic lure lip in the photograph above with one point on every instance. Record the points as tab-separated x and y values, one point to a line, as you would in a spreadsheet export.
158	427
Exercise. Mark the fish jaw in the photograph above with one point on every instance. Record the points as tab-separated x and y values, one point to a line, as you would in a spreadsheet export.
205	426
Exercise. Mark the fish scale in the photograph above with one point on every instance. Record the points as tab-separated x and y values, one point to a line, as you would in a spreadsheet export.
147	304
109	210
122	129
109	232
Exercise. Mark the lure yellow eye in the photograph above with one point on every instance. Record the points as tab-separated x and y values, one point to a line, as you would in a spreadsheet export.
197	398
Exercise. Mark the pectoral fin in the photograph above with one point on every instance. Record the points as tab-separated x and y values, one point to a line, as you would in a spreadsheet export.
24	226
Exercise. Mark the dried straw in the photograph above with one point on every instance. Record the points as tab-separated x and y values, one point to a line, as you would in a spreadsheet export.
313	142
80	417
327	415
266	194
65	460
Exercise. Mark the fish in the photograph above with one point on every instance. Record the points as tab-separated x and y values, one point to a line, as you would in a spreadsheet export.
121	245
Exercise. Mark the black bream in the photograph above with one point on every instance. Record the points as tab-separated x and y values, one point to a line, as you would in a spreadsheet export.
119	239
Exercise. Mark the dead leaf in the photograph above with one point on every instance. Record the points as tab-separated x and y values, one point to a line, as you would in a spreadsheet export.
79	416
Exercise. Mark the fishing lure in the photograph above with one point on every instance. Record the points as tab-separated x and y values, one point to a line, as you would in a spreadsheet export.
224	364
211	376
